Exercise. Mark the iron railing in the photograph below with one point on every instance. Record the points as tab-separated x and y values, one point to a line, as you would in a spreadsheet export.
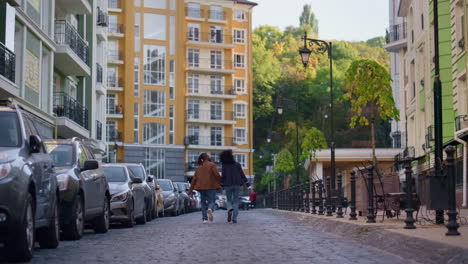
114	82
98	130
215	140
208	88
7	63
66	34
210	115
212	37
396	33
102	18
116	28
66	106
99	73
211	63
113	136
460	122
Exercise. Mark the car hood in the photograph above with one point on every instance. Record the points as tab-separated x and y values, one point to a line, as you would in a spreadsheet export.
118	187
8	154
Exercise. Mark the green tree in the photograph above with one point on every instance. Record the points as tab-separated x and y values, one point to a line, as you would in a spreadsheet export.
313	141
368	89
308	18
284	162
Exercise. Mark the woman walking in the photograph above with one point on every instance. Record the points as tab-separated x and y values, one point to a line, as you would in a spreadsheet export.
207	181
232	179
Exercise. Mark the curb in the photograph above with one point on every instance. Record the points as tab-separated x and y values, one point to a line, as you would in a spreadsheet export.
407	247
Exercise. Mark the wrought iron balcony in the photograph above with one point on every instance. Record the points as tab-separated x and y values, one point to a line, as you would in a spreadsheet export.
396	33
214	141
208	115
209	65
114	82
99	73
66	34
98	130
113	136
207	89
66	106
7	63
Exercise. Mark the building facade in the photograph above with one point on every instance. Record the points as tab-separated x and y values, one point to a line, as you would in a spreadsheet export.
180	83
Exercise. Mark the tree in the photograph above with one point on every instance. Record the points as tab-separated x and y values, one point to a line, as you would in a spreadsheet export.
313	141
368	89
308	18
284	162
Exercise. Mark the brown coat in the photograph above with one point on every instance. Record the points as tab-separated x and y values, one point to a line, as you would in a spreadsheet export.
206	177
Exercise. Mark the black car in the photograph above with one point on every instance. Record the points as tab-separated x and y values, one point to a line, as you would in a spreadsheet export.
84	192
28	187
148	182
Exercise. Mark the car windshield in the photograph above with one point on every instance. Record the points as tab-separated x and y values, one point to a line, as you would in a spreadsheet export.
115	174
137	171
165	185
61	154
10	132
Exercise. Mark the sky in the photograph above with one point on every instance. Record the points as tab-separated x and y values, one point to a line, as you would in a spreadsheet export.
352	20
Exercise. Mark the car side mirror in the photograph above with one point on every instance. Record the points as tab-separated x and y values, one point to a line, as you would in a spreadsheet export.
137	180
35	144
90	165
150	178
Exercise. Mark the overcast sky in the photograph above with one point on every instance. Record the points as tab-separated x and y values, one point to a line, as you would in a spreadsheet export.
351	20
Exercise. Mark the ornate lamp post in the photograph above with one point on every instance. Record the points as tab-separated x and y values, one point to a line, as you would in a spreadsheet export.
322	47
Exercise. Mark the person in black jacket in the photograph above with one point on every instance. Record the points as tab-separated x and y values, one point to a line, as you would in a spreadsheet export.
232	178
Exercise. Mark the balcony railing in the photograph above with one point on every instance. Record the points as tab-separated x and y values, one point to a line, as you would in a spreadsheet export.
115	55
211	37
102	18
396	33
214	141
114	4
98	130
66	34
99	73
194	12
116	28
114	110
7	63
217	15
210	115
114	82
204	89
66	106
113	136
209	63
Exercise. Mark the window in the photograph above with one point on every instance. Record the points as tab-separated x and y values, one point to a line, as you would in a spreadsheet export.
137	32
216	58
192	158
216	12
194	134
136	70
111	104
239	110
216	34
194	10
239	136
113	26
194	32
111	131
239	36
172	35
422	21
155	103
171	125
157	28
171	79
159	4
155	65
239	15
137	2
216	136
194	58
33	9
172	4
113	50
193	81
136	122
239	85
154	133
216	110
193	109
155	162
112	79
242	159
239	61
32	69
413	92
216	84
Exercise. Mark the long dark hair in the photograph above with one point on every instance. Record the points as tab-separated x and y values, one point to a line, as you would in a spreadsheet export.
226	157
202	158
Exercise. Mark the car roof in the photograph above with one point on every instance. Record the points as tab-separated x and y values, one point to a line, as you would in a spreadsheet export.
120	165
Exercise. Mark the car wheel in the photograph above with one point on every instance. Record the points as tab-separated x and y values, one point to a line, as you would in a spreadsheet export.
142	219
74	230
49	237
21	247
131	215
102	222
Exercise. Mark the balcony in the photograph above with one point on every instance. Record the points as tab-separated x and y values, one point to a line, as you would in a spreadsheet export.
396	37
113	136
210	117
99	79
102	23
114	84
115	57
7	71
115	30
80	7
71	56
115	6
208	65
195	14
208	142
72	117
114	111
209	39
209	91
217	16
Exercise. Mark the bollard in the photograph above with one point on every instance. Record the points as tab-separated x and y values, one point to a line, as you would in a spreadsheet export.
409	195
314	209
452	225
320	193
339	211
329	202
370	194
307	199
352	205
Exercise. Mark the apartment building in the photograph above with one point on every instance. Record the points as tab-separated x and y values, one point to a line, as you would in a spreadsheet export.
183	83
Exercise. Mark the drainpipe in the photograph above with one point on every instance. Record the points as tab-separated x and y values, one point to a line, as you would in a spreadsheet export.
465	158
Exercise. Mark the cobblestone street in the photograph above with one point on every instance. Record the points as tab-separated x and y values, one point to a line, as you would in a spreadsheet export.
259	237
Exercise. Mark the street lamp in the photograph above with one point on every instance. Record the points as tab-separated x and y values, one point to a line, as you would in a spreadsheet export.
322	46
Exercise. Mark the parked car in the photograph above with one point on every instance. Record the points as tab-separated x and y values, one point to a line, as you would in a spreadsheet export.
186	200
29	193
148	182
159	201
171	197
84	192
244	203
197	200
221	202
128	195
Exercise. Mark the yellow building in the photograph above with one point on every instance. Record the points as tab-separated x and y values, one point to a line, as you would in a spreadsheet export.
179	83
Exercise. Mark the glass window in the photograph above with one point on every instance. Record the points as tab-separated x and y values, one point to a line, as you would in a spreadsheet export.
171	79
216	84
137	171
242	159
194	10
159	4
137	2
165	185
216	34
193	109
136	69
155	162
10	135
155	103
172	36
111	103
216	58
172	4
155	26
154	133
193	81
61	154
239	15
193	32
239	36
112	79
239	110
239	61
216	12
216	110
216	138
239	85
155	65
33	9
137	32
115	174
194	58
111	131
171	124
239	136
32	67
136	122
